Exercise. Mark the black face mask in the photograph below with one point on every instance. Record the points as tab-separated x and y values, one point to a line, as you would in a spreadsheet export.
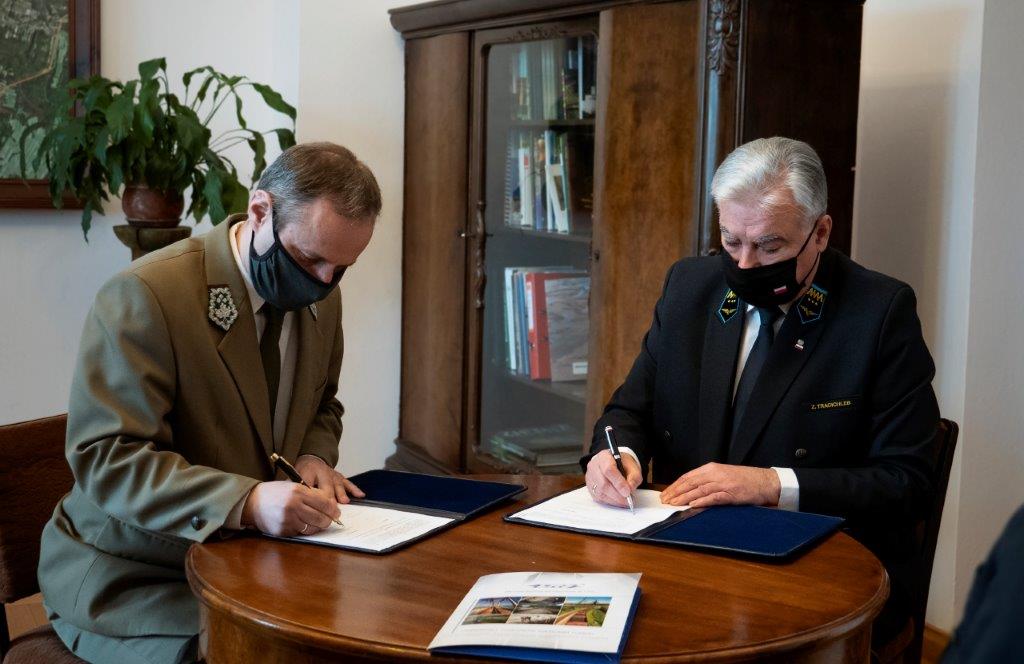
767	285
281	281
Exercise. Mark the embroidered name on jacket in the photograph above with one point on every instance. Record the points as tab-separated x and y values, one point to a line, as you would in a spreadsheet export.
832	405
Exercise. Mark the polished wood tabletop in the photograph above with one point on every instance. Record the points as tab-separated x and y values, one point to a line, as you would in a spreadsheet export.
271	601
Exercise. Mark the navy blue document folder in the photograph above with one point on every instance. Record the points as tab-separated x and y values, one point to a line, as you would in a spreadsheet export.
762	532
454	497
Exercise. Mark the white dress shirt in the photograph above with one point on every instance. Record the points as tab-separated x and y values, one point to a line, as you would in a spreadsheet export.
789	494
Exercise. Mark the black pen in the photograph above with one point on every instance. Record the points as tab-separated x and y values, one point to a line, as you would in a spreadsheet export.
289	470
609	435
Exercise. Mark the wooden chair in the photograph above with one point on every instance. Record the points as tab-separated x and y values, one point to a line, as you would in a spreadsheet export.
905	647
33	477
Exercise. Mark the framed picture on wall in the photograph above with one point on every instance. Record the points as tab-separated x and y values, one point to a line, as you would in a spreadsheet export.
43	45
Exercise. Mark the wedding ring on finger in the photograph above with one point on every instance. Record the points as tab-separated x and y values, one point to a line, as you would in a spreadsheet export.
305	527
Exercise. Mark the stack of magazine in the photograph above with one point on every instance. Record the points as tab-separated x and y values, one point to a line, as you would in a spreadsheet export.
554	448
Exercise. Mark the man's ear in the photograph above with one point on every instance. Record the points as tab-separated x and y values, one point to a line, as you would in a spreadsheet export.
260	208
822	232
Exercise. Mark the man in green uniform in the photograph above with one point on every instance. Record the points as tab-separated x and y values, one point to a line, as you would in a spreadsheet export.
196	363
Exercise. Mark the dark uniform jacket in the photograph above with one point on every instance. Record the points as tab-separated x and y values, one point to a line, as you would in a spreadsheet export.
844	398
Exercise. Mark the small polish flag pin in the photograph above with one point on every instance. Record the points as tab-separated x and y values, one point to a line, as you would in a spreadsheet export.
780	290
799	345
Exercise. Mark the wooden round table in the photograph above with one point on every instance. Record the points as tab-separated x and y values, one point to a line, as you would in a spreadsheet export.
270	601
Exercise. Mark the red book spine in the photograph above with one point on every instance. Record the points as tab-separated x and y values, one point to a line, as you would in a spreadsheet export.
540	349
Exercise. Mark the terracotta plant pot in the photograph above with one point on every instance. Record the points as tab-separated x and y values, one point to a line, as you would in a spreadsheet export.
152	208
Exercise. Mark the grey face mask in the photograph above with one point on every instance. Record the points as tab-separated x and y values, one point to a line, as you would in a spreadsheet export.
281	281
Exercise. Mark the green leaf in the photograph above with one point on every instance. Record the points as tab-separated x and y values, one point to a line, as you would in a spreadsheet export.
274	100
212	192
149	68
238	111
86	222
119	113
259	151
186	78
101	143
201	94
285	138
190	133
235	197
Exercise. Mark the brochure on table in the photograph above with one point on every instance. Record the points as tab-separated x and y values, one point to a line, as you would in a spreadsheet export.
543	616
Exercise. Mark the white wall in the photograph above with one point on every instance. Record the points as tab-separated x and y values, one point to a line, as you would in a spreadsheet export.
349	89
992	475
914	195
352	91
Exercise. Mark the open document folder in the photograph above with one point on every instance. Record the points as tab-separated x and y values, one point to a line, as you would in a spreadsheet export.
543	616
743	529
402	508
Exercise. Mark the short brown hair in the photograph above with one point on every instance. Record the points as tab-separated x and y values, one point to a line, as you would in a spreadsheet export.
306	172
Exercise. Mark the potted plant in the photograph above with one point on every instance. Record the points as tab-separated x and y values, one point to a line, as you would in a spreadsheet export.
140	137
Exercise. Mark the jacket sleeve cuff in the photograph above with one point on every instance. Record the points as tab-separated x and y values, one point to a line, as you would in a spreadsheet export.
234	520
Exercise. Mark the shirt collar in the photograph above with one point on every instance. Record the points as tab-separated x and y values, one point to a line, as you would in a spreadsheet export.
240	247
785	308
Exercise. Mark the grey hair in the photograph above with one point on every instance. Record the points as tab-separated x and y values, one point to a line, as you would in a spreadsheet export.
756	171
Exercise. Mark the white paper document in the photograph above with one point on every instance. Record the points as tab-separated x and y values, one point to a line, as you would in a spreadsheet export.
553	610
577	509
375	529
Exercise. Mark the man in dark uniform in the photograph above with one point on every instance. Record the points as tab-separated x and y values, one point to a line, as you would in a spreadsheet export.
781	373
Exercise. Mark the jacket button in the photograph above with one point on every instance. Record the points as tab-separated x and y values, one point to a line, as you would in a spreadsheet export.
666	434
198	523
801	453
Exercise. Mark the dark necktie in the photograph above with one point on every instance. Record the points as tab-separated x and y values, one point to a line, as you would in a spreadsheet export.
270	353
755	362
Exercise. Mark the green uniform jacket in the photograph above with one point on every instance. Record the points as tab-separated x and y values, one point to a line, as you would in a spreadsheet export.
168	429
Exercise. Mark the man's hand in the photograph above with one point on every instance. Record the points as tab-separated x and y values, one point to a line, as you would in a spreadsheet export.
319	475
722	484
288	508
606	483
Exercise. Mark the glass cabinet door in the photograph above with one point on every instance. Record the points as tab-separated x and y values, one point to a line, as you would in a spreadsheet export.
538	186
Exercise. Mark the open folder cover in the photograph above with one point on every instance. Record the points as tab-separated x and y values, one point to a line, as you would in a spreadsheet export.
739	529
401	508
543	616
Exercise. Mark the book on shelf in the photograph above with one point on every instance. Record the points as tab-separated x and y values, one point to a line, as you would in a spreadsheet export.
527	331
537	321
554	79
549	180
568	319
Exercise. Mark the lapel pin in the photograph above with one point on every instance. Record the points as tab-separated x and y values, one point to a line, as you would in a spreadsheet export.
313	310
799	345
222	309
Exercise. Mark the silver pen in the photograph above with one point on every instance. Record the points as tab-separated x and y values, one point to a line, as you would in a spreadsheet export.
609	435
